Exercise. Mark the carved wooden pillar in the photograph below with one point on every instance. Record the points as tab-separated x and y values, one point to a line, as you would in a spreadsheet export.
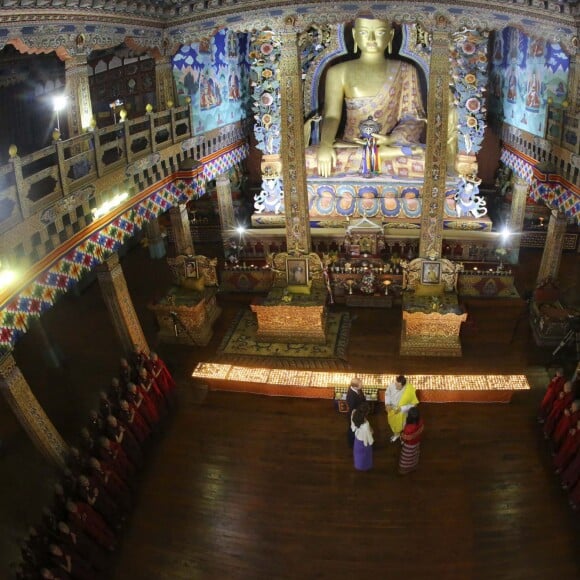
225	204
29	412
550	264
520	190
181	230
119	304
155	239
164	83
431	241
79	108
292	148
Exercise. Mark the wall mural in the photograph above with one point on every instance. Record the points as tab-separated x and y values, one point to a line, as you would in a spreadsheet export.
526	72
215	74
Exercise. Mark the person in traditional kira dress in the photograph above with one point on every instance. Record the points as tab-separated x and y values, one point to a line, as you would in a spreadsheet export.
411	442
400	396
363	438
354	397
554	388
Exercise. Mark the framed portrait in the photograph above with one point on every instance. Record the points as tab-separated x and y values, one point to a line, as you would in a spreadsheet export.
191	270
431	273
297	271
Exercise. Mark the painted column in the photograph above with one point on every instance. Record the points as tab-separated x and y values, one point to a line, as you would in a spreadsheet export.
29	412
156	244
226	209
181	230
520	190
292	149
433	202
164	83
119	304
225	204
550	264
574	84
79	109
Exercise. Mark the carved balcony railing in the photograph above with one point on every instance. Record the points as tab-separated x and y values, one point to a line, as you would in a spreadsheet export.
32	183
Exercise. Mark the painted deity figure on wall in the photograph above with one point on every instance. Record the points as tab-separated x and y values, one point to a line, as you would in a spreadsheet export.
533	95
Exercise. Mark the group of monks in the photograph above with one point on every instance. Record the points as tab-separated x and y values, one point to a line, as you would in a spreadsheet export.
559	414
95	493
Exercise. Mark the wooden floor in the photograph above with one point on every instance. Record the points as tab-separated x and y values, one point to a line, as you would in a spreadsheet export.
242	486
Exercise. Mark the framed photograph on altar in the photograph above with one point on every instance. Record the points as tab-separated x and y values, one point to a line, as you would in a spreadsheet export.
431	273
190	266
297	271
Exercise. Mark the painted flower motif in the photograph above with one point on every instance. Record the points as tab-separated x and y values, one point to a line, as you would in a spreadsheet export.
469	48
266	48
470	79
267	120
482	57
471	121
267	99
267	73
473	105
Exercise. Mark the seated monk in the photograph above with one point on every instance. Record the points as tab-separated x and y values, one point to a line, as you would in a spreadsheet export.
374	88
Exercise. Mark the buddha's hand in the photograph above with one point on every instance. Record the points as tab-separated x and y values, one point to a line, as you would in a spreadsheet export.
390	149
326	159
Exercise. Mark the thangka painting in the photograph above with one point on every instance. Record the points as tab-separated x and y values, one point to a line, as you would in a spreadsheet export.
526	72
215	74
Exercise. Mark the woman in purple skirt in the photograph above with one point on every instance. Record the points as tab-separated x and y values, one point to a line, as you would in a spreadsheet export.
363	438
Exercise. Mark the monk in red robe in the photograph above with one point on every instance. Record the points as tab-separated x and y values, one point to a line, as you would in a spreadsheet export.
567	420
555	387
563	401
568	449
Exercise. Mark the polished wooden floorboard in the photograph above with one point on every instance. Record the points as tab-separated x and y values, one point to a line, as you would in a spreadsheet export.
241	486
245	486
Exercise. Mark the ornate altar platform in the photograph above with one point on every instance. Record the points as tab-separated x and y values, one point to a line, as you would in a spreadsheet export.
187	312
186	316
429	330
295	308
292	317
432	316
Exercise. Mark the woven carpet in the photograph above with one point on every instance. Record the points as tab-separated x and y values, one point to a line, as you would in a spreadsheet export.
241	346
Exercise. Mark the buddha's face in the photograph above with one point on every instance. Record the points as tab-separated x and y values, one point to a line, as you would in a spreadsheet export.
372	36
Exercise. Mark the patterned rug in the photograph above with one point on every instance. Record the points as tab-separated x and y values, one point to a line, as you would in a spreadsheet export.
240	346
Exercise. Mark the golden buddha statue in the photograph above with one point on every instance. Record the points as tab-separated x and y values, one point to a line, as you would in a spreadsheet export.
373	87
